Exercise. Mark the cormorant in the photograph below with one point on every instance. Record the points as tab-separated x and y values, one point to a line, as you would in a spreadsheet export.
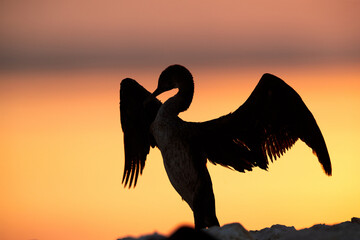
270	121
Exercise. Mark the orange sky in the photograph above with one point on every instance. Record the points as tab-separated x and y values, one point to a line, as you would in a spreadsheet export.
61	146
62	156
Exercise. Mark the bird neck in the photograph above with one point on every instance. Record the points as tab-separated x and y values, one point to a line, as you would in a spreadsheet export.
182	100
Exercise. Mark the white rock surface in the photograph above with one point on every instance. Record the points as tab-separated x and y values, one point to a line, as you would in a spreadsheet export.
154	236
349	230
346	230
233	231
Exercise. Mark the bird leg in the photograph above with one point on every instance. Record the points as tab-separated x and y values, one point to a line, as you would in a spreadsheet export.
204	204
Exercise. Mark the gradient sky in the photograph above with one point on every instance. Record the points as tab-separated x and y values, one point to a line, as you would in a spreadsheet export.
117	33
61	146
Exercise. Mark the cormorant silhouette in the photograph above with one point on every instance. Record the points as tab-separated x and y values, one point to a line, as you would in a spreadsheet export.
270	121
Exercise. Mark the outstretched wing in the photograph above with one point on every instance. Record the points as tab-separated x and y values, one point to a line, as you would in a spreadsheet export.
135	122
271	120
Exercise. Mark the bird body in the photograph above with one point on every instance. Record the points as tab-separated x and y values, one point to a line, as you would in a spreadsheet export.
184	163
179	162
272	119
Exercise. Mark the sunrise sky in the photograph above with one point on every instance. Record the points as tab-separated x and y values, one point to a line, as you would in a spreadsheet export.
61	145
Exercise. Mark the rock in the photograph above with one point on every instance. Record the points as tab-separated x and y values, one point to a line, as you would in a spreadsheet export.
275	232
346	230
233	231
349	230
190	233
154	236
355	220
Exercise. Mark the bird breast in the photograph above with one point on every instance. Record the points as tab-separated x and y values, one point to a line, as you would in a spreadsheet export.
179	160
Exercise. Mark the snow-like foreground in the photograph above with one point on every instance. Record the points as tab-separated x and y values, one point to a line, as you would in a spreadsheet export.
349	230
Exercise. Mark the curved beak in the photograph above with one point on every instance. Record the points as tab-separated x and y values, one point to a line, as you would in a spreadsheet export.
156	93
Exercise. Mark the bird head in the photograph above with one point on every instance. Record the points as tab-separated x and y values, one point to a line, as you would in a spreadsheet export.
174	76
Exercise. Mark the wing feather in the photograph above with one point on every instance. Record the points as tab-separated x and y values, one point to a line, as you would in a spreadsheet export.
135	122
268	124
